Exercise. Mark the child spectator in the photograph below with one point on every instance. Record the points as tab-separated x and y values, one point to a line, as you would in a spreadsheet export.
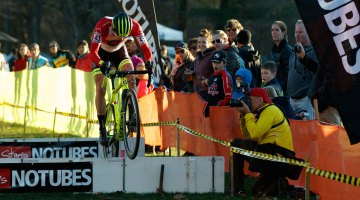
142	79
219	84
242	83
22	58
268	77
36	60
83	60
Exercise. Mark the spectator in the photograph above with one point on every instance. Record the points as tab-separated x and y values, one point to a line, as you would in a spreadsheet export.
36	60
22	58
234	62
300	87
265	129
219	83
193	46
181	82
2	60
131	46
141	79
251	57
11	58
268	76
280	52
83	60
203	68
232	28
320	89
271	92
60	58
242	83
168	65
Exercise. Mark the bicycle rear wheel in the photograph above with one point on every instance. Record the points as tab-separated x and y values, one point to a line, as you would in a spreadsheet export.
131	122
112	150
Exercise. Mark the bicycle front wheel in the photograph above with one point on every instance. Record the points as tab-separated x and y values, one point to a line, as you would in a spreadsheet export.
112	149
131	122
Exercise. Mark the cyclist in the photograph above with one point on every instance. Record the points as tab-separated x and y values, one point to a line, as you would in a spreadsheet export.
108	44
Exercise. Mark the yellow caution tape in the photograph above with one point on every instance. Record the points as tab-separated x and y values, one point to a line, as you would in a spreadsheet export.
192	132
71	115
339	177
170	123
264	156
12	105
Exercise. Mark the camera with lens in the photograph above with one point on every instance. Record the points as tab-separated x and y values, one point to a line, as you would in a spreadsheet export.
246	91
296	48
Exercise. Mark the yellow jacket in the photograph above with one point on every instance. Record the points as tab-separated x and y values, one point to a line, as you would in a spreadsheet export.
262	130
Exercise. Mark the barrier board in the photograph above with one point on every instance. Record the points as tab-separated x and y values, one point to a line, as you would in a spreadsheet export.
141	175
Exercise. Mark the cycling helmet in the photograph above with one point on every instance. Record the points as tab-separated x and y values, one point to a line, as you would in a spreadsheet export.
122	24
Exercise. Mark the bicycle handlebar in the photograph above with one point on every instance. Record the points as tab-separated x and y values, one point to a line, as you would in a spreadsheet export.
112	73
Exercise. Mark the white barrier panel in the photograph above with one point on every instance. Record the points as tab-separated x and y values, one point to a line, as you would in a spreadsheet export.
142	175
56	148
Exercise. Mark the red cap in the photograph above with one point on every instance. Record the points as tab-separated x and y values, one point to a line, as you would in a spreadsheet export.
260	92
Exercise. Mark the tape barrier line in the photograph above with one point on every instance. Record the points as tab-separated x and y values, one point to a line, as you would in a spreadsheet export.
71	115
12	105
34	108
192	132
339	177
92	121
245	152
264	156
170	123
323	173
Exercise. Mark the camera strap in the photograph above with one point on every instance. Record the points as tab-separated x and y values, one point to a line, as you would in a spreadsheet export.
263	108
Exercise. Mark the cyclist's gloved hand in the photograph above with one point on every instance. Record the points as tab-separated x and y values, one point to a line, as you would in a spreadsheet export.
105	68
149	68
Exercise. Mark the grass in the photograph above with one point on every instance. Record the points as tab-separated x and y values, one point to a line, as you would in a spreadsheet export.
11	130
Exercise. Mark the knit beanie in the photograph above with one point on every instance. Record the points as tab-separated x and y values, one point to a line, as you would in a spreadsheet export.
136	60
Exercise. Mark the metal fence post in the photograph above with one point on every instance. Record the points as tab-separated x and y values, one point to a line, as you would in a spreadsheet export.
307	179
178	136
54	122
87	125
26	108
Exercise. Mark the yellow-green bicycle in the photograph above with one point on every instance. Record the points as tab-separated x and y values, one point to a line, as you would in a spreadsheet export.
122	114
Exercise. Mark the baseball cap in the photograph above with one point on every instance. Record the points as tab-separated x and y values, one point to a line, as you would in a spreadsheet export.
260	92
218	56
181	45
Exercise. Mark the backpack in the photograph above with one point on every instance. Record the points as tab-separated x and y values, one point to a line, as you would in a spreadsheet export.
252	61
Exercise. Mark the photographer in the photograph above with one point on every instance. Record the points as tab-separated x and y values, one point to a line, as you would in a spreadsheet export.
265	129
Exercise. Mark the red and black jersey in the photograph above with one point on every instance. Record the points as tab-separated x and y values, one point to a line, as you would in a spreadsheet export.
104	37
219	90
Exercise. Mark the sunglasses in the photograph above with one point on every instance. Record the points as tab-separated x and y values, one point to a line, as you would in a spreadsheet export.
193	48
231	29
216	41
180	51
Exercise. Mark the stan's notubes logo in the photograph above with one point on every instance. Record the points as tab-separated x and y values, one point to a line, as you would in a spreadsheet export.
50	177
